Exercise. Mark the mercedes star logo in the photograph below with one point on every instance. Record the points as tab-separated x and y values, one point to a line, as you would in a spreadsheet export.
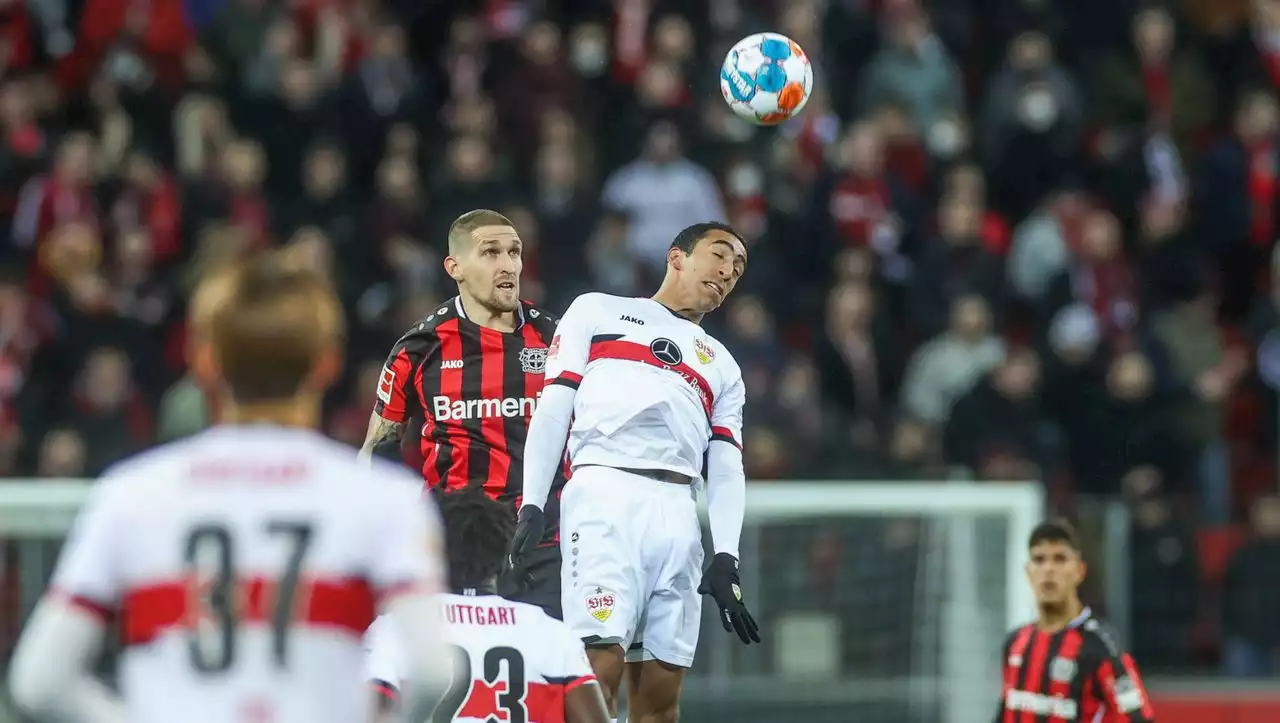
666	351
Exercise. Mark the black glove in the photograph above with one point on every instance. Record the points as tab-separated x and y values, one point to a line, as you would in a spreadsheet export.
529	525
720	581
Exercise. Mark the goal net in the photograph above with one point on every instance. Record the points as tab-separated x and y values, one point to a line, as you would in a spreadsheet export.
883	602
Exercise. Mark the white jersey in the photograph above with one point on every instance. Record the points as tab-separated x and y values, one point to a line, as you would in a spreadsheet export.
512	662
244	565
653	387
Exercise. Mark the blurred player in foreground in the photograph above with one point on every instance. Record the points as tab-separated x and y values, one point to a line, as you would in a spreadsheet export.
646	397
1066	666
512	661
242	563
470	374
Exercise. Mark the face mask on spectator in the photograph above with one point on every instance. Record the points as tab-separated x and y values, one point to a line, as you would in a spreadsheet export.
745	180
590	56
945	139
1037	109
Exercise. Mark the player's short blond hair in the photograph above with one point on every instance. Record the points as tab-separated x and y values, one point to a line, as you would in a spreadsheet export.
463	226
272	325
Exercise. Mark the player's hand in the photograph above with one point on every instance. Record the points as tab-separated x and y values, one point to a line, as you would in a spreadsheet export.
529	526
721	582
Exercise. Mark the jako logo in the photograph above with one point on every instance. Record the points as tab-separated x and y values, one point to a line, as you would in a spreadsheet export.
451	364
632	319
444	409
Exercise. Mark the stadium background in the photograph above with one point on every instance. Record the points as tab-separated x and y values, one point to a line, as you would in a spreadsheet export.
1007	240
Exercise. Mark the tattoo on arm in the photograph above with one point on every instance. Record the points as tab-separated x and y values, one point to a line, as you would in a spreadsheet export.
380	430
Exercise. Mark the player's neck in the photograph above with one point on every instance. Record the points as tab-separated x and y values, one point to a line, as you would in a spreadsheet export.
1055	618
505	321
292	413
669	297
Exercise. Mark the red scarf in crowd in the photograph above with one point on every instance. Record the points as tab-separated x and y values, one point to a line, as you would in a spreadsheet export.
1269	54
1108	288
1262	192
1155	78
858	205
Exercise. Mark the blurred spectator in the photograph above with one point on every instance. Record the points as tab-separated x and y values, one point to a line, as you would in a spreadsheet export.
1165	577
109	413
661	192
62	455
954	264
1239	194
1119	427
1251	599
1207	372
865	205
1031	125
947	366
1157	86
997	423
1100	277
1041	245
543	81
859	363
912	68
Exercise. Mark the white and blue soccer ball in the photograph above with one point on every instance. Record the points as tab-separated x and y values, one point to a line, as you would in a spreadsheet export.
766	78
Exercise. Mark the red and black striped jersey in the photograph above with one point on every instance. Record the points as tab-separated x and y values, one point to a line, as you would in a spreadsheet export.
475	389
1076	674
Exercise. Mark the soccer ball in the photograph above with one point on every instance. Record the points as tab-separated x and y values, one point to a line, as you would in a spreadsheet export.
766	78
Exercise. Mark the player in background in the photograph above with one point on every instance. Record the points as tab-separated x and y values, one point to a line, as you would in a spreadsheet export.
242	564
646	397
513	661
1066	666
471	373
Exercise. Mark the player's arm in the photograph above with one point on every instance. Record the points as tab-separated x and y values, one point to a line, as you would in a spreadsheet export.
396	395
726	508
49	675
549	428
1120	687
407	570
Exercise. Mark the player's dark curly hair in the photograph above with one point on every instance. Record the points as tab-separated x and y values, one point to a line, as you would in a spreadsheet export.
477	531
1055	530
687	239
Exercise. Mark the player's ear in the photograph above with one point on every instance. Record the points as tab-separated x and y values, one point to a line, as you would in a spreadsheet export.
328	369
675	257
204	365
1082	570
452	268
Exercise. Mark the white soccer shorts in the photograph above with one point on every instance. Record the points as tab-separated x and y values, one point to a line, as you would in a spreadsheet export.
632	550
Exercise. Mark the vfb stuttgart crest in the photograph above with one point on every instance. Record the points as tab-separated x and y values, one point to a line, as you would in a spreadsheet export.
600	603
533	360
706	354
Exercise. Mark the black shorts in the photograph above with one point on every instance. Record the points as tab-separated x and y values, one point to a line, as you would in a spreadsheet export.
541	581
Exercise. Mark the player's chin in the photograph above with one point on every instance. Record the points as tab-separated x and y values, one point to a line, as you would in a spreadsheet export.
711	300
505	299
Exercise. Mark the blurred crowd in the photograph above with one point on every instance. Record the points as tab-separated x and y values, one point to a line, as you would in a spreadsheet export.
1020	239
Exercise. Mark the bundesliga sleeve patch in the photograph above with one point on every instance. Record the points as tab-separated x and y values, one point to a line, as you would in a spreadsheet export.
386	384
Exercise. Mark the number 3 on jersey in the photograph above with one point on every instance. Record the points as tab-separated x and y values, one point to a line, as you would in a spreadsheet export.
216	593
490	698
